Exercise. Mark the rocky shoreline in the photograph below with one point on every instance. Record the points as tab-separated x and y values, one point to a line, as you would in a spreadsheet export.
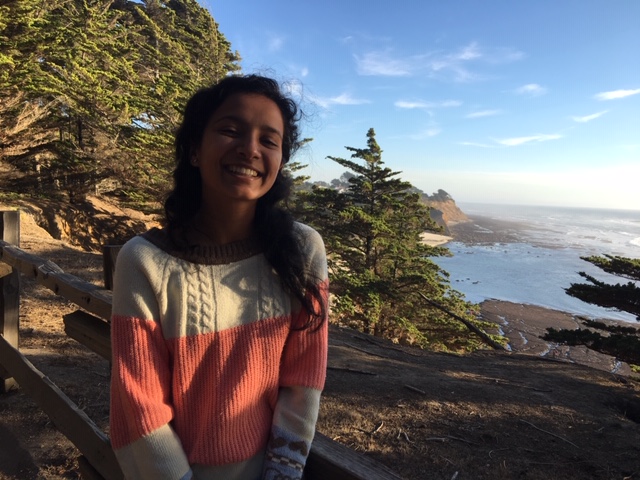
479	230
525	324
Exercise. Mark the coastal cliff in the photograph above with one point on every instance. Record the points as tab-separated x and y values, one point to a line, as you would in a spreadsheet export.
444	210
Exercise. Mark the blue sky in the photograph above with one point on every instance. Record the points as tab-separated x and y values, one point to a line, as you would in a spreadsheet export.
520	102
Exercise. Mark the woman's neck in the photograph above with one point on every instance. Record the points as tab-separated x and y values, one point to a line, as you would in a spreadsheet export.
223	226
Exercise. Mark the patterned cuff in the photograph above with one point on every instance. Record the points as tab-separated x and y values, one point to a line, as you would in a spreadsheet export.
286	456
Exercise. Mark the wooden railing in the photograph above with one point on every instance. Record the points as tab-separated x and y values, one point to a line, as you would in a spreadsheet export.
328	460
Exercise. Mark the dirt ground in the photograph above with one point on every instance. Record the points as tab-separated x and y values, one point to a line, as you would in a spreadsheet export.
540	411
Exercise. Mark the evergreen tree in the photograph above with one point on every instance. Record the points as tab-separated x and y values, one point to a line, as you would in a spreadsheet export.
621	342
71	64
96	88
379	267
624	297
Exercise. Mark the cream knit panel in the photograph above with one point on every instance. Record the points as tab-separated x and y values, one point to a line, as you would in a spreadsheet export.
203	299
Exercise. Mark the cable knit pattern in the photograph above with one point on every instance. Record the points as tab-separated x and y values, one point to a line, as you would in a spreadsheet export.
206	366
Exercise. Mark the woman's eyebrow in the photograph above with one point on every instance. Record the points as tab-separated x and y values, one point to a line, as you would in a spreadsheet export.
235	118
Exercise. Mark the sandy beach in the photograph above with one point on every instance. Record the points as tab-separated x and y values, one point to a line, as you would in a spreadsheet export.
435	239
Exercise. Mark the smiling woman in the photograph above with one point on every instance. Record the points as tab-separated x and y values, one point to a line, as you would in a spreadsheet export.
239	157
219	328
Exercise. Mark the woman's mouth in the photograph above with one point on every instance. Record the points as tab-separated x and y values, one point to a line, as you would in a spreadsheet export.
244	171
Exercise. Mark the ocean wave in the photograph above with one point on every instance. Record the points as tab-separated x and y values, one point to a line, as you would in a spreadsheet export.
635	241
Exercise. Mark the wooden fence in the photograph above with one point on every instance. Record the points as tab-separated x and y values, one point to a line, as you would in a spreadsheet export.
89	325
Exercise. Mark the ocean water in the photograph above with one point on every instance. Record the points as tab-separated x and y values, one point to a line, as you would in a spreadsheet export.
541	256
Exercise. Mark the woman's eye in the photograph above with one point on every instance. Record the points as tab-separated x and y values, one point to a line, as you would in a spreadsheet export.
228	131
270	142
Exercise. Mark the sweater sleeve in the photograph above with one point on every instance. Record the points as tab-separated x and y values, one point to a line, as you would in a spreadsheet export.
144	442
302	376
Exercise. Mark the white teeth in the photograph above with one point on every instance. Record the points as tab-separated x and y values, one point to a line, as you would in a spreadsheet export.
242	170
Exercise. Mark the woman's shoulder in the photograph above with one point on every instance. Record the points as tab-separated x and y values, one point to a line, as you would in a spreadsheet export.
312	249
308	234
143	244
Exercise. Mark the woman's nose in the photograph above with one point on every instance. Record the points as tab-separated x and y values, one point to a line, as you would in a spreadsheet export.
249	145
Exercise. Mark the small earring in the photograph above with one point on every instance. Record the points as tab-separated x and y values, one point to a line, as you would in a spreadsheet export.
194	161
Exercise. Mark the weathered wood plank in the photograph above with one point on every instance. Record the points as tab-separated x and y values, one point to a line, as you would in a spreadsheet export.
91	297
66	415
84	294
109	256
26	263
9	294
91	331
330	460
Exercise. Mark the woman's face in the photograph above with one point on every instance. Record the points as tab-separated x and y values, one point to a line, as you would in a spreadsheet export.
240	154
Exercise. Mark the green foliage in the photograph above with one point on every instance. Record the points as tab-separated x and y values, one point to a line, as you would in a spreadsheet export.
378	263
610	328
625	297
624	347
621	342
96	88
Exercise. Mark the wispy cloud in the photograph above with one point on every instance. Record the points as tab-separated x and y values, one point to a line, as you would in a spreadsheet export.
382	64
531	89
469	52
447	64
615	94
588	118
342	99
483	113
475	144
428	133
427	105
296	89
347	99
513	142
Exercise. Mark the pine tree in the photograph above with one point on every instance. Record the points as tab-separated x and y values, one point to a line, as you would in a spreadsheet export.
620	342
379	267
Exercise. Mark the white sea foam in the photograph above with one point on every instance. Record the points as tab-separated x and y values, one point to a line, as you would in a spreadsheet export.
617	365
544	353
545	257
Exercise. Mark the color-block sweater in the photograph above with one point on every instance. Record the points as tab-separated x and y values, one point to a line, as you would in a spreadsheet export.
211	379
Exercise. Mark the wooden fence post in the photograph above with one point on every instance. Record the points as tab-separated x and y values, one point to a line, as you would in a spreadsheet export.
9	292
109	256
